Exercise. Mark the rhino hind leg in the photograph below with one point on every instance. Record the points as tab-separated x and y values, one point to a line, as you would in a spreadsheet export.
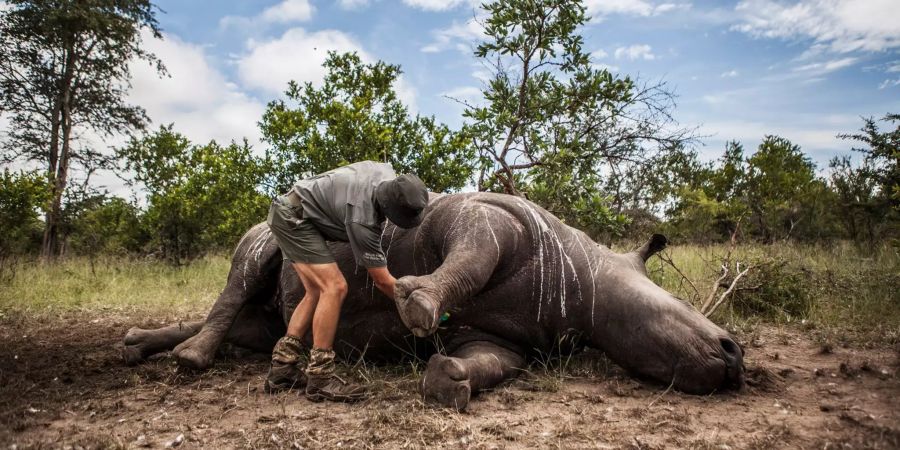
253	266
255	329
140	343
450	381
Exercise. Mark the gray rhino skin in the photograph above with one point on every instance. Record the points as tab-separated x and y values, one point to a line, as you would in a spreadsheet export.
514	279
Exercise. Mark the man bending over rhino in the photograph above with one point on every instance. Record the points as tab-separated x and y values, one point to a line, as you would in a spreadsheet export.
347	204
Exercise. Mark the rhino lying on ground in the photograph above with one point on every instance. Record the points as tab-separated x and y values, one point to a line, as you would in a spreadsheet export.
512	277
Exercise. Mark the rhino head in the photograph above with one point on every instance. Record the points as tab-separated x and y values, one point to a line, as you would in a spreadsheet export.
653	334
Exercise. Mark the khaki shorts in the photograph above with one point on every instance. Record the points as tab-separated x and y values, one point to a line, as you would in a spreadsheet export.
299	240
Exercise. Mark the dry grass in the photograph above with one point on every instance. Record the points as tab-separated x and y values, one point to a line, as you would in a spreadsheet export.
841	287
113	285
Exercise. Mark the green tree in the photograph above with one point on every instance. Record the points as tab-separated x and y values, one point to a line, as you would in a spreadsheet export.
554	127
64	70
199	198
22	196
357	116
711	202
869	194
782	192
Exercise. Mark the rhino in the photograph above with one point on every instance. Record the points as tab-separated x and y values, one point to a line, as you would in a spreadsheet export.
485	283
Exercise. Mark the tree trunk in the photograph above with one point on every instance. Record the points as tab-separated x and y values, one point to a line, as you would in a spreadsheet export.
59	176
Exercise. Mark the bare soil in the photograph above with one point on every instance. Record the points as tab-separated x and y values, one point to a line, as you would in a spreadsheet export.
62	384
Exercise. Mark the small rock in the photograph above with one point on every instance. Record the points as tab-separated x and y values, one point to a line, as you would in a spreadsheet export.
176	442
141	441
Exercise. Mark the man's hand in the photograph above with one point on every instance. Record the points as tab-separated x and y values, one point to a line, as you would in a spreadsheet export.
384	281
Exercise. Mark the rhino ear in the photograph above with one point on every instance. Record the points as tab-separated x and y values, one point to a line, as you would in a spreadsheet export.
656	243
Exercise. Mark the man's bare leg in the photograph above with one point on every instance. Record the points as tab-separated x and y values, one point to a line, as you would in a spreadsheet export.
301	318
322	384
329	281
287	356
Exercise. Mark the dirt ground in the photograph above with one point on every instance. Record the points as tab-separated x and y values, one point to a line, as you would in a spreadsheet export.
62	384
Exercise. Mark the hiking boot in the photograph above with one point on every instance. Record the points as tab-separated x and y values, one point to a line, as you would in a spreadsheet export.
285	372
323	384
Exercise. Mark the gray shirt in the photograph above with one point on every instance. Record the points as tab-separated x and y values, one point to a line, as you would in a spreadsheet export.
341	204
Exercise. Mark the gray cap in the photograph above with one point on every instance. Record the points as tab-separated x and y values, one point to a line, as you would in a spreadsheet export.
403	200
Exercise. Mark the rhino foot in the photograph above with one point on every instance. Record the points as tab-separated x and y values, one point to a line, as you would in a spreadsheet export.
418	307
196	353
446	383
133	350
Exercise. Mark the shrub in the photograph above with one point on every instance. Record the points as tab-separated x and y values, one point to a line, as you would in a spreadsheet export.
775	289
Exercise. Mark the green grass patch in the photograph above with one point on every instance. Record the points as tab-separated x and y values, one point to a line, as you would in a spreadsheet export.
111	284
838	286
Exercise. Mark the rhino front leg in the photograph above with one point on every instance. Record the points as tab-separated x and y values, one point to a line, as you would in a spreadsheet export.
469	257
140	343
450	381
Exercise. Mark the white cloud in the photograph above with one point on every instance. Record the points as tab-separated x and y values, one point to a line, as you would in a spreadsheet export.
715	99
600	8
201	102
600	54
353	5
636	51
817	140
460	36
439	5
821	68
889	83
288	11
298	55
666	7
894	67
843	25
607	67
730	74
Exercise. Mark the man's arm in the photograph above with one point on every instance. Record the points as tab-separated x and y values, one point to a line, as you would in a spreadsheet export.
366	245
384	281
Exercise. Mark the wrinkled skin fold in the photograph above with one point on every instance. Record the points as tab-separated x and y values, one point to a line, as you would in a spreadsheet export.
513	279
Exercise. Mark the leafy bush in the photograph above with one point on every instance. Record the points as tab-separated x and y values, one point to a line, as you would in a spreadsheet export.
108	225
22	196
775	289
200	198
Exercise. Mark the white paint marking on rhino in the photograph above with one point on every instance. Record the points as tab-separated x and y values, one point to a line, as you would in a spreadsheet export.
243	238
560	258
258	245
538	243
491	227
499	366
452	227
591	270
244	278
387	252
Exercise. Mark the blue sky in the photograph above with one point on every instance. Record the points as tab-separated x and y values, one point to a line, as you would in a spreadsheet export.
805	70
